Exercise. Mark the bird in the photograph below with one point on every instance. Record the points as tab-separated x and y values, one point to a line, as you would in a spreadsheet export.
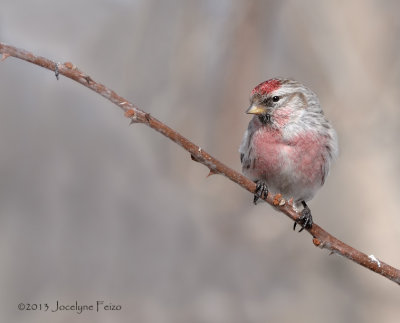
289	144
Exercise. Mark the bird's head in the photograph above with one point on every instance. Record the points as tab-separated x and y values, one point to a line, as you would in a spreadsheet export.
280	101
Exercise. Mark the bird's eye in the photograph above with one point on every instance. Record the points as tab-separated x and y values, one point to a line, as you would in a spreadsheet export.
275	98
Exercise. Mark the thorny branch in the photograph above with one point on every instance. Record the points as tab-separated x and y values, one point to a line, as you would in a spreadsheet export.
321	238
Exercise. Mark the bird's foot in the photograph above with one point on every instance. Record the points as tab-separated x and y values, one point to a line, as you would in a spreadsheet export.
305	219
261	191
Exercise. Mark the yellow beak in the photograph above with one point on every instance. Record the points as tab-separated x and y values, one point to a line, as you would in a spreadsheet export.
256	109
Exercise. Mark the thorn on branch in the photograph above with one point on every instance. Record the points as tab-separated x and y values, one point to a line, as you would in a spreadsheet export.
147	116
88	79
212	172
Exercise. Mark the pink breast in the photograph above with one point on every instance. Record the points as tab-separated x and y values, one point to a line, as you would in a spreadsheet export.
301	157
267	145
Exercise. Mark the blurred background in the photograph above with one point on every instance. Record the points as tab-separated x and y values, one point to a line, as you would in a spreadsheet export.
92	209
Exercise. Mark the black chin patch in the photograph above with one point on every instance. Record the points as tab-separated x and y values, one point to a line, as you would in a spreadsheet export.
265	118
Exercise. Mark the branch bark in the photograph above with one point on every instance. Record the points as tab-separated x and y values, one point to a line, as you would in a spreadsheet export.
321	238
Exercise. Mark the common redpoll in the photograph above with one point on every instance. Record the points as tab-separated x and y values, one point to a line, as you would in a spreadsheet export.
289	145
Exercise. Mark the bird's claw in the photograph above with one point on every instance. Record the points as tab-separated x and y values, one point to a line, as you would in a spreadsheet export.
305	219
260	192
56	70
